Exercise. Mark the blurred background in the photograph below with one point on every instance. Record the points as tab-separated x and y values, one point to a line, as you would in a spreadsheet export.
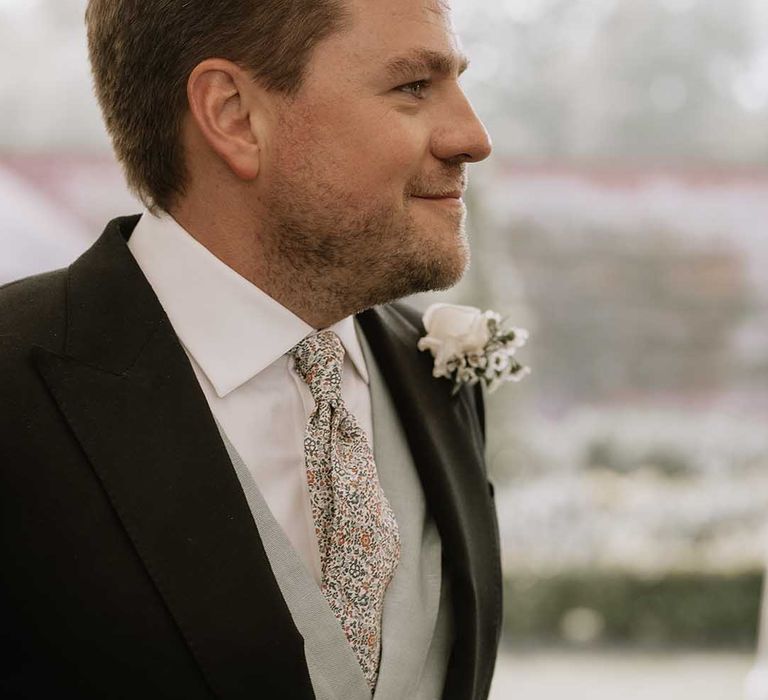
622	220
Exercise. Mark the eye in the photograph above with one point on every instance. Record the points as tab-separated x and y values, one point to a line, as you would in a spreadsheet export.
417	88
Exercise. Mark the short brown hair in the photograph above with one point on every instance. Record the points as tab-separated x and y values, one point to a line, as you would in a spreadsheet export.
142	52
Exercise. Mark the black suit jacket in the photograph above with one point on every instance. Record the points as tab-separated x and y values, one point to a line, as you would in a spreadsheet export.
130	565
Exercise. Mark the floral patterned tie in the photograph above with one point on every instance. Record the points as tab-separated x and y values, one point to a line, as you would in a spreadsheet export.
355	527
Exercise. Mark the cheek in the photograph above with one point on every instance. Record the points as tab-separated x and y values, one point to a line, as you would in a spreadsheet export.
364	148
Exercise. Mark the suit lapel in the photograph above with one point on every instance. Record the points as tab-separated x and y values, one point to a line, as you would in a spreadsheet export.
129	394
444	436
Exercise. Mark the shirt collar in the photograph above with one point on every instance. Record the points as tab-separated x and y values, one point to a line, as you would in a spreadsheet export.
231	328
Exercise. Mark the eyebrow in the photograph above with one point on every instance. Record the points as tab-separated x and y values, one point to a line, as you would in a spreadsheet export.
426	61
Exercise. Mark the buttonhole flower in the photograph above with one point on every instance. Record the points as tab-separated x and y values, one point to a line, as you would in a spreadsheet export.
470	346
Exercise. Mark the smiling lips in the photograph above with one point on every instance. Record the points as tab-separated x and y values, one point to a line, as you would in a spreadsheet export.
449	201
448	195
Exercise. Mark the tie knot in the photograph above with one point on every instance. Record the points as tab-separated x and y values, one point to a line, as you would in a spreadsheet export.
318	361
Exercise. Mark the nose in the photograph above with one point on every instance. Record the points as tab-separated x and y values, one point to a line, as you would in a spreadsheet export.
462	136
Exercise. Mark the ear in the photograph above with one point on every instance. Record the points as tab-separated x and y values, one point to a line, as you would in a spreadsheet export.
226	106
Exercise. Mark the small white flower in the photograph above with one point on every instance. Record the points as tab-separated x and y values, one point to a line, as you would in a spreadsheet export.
469	345
477	360
521	337
498	360
493	316
456	362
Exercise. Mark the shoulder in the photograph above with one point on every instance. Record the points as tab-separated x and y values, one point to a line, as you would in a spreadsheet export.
32	316
33	312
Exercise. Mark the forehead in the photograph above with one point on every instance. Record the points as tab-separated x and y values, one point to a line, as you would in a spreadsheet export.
375	11
380	31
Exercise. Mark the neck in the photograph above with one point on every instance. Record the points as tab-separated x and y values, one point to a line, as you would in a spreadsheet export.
317	299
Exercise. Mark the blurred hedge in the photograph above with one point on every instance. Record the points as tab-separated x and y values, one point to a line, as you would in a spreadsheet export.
692	610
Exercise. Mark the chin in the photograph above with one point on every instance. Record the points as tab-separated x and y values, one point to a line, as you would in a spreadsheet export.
447	270
445	256
432	267
414	277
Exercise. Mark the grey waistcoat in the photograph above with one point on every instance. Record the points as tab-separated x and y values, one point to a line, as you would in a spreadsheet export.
417	623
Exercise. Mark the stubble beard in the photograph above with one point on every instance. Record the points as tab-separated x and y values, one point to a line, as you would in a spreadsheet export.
340	260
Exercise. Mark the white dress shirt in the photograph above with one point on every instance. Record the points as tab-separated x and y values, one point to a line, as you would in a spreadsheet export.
237	337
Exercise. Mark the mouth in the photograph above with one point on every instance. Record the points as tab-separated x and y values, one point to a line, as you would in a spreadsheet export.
453	194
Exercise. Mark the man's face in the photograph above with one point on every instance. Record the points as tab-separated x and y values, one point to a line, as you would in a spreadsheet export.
365	171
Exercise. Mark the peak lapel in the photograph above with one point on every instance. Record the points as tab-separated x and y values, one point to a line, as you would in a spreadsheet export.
445	437
129	394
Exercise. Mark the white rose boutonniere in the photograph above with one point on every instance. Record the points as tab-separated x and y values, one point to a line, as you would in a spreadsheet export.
471	346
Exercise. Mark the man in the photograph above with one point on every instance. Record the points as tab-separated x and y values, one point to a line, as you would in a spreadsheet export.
227	471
